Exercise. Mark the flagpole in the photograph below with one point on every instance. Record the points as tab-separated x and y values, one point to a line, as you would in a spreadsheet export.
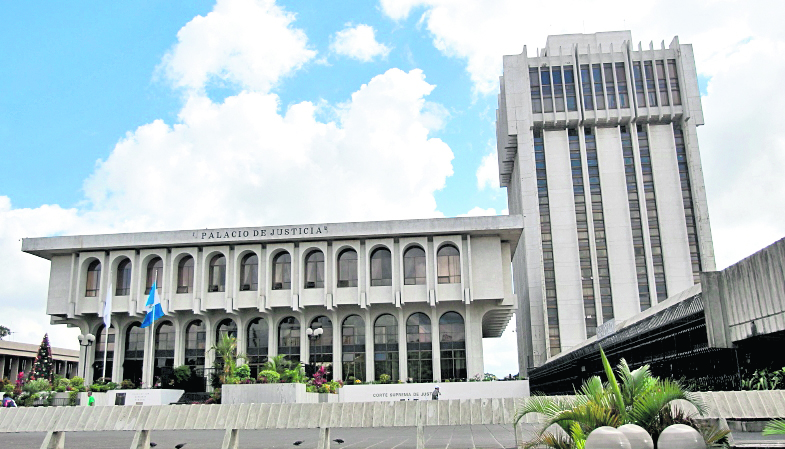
152	332
106	347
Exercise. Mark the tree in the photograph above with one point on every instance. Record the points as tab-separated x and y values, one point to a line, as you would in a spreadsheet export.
226	356
640	398
4	332
43	366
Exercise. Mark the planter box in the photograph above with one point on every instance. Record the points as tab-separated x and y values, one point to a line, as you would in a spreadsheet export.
267	393
134	397
422	392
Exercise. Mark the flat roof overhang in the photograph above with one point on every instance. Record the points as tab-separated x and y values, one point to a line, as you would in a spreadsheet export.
508	227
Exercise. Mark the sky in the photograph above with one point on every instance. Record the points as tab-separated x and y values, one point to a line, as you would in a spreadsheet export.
144	116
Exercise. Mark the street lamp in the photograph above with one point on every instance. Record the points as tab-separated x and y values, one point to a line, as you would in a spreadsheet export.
85	341
313	335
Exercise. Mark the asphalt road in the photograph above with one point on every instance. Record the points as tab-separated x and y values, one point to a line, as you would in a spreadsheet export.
444	437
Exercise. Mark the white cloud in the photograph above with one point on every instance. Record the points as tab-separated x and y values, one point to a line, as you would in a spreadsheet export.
488	172
242	161
478	211
249	43
359	43
743	144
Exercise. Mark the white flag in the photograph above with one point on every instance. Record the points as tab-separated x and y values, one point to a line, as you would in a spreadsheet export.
108	307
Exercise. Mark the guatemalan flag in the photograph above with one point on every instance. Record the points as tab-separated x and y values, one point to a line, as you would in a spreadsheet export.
154	310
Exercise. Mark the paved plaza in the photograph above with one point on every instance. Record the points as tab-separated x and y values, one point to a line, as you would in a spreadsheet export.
443	437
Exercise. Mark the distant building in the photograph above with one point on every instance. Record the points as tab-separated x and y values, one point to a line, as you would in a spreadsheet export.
598	150
19	357
411	299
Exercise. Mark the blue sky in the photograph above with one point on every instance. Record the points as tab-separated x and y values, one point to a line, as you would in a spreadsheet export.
140	115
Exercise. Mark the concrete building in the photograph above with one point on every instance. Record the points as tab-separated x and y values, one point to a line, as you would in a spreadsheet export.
598	151
18	358
412	299
712	335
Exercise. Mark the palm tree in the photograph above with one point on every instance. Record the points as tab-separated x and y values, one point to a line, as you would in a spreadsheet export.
226	351
637	397
775	427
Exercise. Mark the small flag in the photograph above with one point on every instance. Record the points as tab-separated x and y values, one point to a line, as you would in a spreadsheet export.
154	309
108	307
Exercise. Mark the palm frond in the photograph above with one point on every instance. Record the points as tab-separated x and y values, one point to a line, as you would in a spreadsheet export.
589	416
775	427
544	405
647	407
548	439
593	389
615	392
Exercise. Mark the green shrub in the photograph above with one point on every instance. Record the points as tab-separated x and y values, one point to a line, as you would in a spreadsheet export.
127	384
77	383
73	395
34	386
269	377
243	372
384	378
182	374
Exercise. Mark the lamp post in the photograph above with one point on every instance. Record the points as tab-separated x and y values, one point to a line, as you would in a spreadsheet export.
85	341
313	335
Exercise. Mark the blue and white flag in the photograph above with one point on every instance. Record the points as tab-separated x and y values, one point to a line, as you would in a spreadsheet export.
154	310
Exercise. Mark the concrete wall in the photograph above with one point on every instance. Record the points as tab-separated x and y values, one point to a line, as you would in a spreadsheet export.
267	393
422	392
747	298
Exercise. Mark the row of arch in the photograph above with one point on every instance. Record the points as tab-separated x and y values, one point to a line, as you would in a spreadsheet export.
385	341
414	270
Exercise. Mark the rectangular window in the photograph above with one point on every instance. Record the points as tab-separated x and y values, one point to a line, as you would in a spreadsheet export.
558	93
534	82
662	83
621	81
599	96
569	85
640	94
651	85
547	102
674	77
610	88
588	103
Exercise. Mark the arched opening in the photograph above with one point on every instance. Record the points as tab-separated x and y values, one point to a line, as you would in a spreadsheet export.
448	265
414	266
381	267
103	343
217	275
282	271
163	369
321	345
419	352
185	275
353	348
385	347
155	273
257	339
93	279
123	285
134	354
249	273
289	338
347	268
314	269
452	344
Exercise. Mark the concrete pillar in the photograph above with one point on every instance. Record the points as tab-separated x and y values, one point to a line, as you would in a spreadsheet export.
14	373
119	353
2	366
337	348
436	349
272	334
403	366
369	365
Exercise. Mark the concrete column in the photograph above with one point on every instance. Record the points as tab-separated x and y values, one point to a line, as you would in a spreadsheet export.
303	337
147	360
2	367
272	335
369	366
14	373
337	349
119	354
436	350
179	341
403	366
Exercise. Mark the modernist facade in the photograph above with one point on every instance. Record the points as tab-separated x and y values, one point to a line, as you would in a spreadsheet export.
411	299
18	358
598	150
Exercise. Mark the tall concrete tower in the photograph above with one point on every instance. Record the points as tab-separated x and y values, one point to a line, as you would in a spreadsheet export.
598	150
